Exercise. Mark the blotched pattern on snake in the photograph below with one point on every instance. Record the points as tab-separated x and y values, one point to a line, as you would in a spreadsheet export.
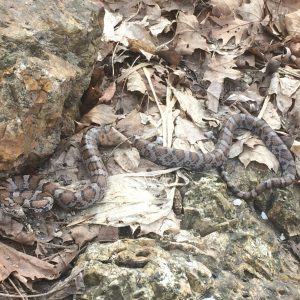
38	194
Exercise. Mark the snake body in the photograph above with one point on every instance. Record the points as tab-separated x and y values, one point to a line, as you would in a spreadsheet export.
198	161
38	194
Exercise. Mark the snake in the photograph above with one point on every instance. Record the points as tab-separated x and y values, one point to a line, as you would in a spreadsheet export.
39	194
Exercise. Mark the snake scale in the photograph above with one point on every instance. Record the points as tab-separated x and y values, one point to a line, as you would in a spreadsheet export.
37	193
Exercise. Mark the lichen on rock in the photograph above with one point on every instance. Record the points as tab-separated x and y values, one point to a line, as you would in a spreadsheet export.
223	251
47	55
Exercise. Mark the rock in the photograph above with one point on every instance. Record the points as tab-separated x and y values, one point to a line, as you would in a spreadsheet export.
207	207
47	54
285	212
141	269
281	205
223	251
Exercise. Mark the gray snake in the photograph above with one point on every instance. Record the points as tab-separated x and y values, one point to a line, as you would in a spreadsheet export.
38	194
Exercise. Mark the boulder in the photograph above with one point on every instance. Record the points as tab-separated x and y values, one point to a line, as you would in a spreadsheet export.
47	51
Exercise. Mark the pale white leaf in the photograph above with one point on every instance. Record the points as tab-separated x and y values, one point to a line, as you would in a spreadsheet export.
193	107
260	154
136	83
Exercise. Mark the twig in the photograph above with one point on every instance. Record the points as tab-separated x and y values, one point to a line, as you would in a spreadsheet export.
163	117
113	59
131	70
15	287
264	107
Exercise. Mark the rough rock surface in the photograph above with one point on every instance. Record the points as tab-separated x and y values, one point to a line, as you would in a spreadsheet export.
223	251
46	62
281	205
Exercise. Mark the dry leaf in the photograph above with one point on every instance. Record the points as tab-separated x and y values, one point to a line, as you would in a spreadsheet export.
274	84
296	148
188	34
213	94
289	86
182	144
110	21
23	265
188	131
135	32
272	117
225	7
128	71
220	67
169	223
127	159
260	154
108	93
153	11
141	46
14	230
193	107
252	11
236	149
160	26
84	233
136	83
292	22
284	103
133	200
170	56
231	28
101	114
253	141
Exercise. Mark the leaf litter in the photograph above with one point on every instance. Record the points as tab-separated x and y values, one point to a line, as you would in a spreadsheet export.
243	56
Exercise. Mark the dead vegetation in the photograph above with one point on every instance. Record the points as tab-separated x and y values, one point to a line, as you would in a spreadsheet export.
176	70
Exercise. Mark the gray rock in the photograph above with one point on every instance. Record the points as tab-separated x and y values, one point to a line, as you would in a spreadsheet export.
223	251
141	269
280	205
47	52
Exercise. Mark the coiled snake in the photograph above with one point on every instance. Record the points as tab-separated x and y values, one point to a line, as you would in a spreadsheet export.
38	194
